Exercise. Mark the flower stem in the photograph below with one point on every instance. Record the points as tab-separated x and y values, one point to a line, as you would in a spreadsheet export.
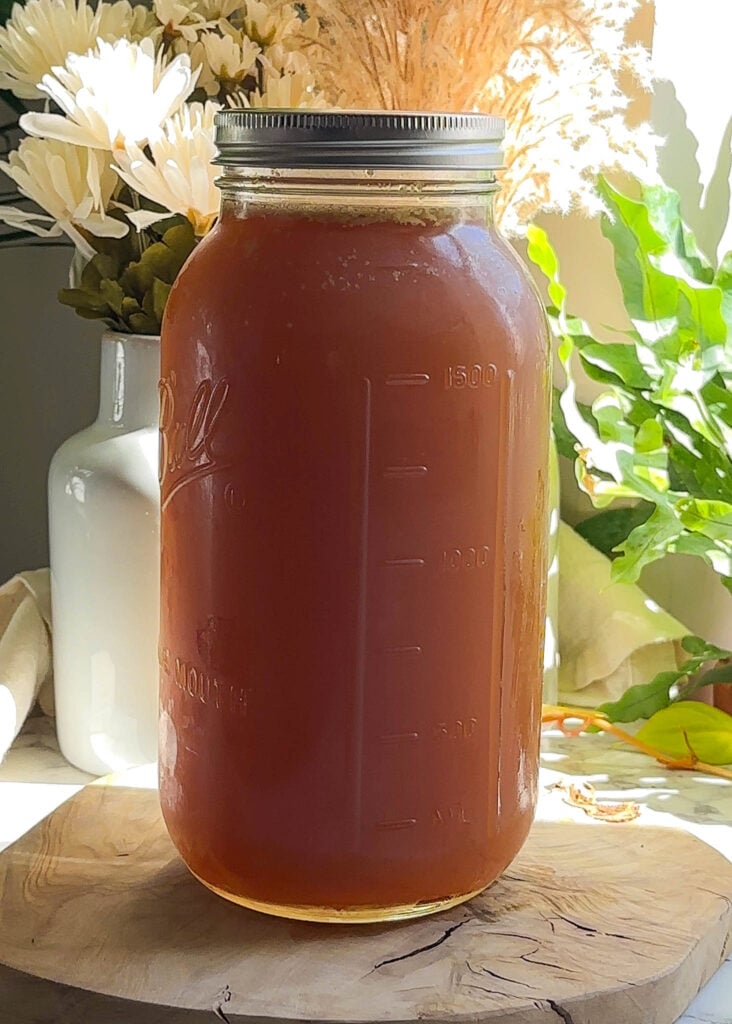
587	718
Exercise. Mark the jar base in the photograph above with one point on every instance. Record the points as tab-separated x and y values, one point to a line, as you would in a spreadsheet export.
333	915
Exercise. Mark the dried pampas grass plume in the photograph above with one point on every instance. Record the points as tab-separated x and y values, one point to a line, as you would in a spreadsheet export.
552	68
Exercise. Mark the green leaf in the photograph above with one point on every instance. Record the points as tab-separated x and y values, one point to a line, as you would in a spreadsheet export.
142	323
100	268
564	438
113	295
649	437
160	293
156	261
701	649
181	240
689	728
717	676
647	543
126	288
87	313
664	213
705	322
608	529
643	700
160	261
130	305
543	255
649	294
646	699
614	363
81	298
723	281
712	518
700	467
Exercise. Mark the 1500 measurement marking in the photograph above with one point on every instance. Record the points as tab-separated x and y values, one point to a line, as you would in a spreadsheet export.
466	558
476	376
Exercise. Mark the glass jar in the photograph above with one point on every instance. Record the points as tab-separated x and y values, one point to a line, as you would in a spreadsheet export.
354	429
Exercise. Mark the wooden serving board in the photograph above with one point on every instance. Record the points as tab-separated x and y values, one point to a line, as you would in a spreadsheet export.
100	923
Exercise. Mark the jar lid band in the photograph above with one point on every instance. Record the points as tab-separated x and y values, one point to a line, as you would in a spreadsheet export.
358	139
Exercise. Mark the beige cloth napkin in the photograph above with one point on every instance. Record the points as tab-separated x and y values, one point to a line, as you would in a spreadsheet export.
611	635
25	650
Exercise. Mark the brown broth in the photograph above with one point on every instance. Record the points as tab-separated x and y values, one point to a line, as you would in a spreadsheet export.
355	429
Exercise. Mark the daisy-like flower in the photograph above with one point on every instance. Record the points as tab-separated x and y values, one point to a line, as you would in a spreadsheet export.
225	60
72	184
284	60
178	175
283	90
113	95
269	23
178	20
217	9
41	35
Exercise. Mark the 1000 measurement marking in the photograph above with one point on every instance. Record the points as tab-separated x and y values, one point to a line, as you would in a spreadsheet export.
466	558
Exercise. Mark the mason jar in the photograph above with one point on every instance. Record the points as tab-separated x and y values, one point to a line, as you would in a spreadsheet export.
354	459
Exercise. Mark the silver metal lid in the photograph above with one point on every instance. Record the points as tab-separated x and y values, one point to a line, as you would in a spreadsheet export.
358	139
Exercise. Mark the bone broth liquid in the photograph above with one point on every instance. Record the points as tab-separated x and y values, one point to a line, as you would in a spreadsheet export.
354	430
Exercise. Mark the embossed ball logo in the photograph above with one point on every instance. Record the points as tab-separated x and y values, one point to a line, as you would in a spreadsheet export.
187	436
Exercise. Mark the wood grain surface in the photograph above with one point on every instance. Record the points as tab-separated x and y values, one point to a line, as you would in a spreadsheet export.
100	923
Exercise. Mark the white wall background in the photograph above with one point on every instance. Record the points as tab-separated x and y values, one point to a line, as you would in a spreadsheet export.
692	106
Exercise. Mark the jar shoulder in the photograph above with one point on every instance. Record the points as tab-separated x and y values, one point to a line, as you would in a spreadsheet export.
343	288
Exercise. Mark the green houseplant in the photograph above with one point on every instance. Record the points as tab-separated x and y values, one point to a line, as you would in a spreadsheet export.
660	433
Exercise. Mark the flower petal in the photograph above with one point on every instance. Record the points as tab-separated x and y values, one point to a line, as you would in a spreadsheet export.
28	221
54	126
104	227
144	218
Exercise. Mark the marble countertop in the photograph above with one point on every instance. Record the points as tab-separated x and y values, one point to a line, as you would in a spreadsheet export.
35	779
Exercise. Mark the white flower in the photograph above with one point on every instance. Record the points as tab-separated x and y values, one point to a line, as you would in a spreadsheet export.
223	59
113	95
215	10
179	176
41	35
269	23
72	184
283	59
179	18
119	20
282	90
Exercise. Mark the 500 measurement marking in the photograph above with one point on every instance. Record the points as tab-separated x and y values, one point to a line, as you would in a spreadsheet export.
459	729
476	376
466	558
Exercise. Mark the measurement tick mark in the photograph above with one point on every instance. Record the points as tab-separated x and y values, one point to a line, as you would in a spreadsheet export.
405	471
404	650
392	736
401	823
407	380
404	561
